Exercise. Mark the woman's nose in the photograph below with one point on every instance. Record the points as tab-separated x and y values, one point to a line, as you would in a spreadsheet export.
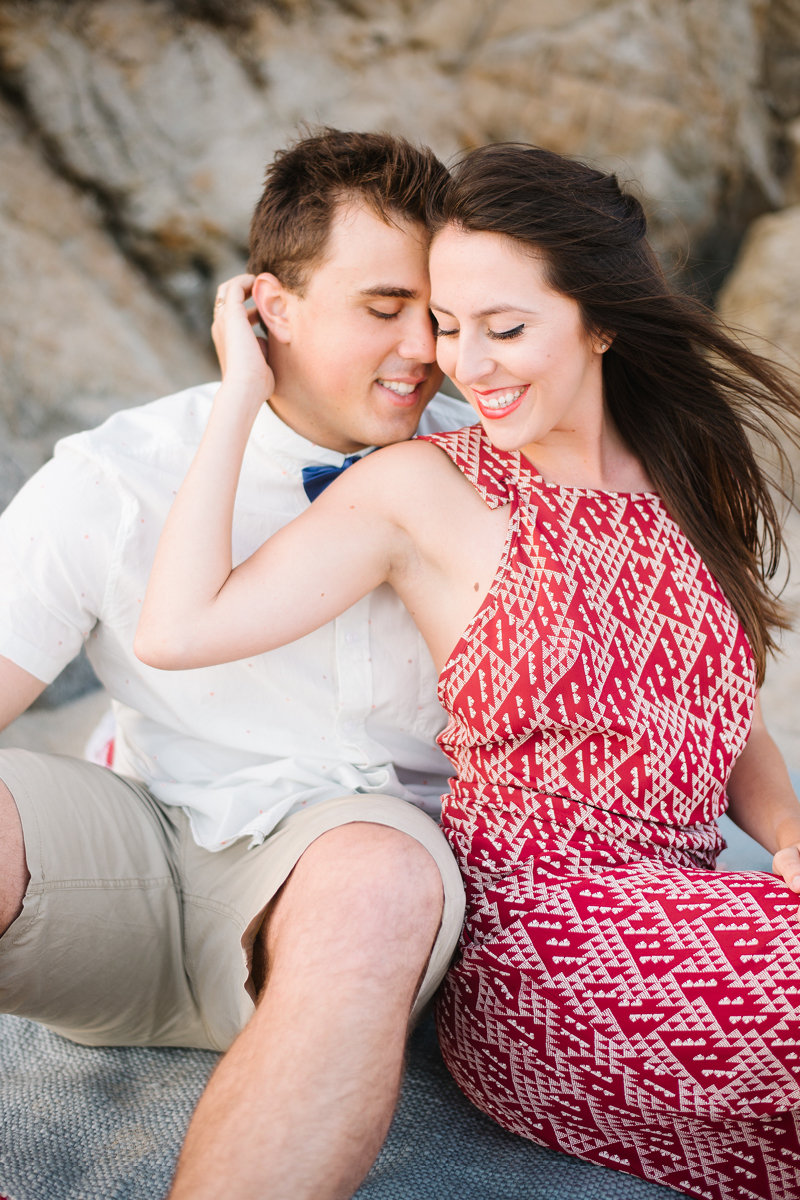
473	364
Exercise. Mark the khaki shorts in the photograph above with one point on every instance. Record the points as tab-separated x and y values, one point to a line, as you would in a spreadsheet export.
133	935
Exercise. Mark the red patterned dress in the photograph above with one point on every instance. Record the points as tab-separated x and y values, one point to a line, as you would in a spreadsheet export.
615	997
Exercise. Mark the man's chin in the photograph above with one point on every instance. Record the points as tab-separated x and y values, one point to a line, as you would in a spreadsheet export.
387	424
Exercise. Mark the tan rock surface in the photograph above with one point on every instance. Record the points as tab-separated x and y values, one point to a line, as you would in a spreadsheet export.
81	331
780	694
762	296
782	56
165	122
171	121
155	126
762	293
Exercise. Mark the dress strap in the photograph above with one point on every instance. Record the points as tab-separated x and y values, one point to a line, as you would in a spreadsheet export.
485	467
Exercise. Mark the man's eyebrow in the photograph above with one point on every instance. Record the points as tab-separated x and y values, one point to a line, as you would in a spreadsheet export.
390	292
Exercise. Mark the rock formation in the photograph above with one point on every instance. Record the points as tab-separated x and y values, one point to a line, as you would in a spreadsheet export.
762	293
81	331
761	296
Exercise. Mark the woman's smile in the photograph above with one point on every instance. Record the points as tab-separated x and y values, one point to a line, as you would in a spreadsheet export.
499	402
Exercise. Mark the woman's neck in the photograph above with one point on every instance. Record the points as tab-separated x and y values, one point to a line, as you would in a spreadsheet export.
593	457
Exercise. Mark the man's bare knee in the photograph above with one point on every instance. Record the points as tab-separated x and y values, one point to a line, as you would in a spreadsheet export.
363	894
14	873
372	871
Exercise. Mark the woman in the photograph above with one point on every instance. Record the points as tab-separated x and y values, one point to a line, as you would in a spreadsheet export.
614	998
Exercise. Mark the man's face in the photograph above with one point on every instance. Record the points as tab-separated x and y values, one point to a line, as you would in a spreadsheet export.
355	356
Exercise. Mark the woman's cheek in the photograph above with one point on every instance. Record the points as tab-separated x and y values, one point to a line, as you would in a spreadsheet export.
446	357
542	361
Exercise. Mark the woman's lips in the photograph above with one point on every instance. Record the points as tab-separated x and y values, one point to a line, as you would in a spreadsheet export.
509	401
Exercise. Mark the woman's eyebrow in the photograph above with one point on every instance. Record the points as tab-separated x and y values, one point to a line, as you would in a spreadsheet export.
495	310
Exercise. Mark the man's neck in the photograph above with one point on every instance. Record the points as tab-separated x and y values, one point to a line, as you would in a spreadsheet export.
304	424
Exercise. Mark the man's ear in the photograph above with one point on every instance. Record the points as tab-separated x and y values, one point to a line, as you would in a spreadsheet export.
272	301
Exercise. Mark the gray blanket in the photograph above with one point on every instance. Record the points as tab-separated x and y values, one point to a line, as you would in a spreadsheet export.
107	1124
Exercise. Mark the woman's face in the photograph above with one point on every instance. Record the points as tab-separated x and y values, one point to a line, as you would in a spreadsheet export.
516	349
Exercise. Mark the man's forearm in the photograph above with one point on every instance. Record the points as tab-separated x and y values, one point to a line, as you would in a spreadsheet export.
18	690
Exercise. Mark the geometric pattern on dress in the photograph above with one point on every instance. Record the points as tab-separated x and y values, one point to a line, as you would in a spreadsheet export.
615	997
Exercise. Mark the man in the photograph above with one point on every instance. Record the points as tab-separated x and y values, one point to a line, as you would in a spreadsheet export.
256	875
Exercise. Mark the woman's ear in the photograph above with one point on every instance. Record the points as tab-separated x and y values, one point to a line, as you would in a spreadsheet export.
272	301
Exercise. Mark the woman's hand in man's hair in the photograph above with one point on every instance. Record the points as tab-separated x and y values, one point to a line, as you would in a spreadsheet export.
242	354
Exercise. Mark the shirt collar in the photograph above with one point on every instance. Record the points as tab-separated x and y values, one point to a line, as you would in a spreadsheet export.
289	449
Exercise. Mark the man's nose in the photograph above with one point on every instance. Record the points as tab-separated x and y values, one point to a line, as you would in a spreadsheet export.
419	343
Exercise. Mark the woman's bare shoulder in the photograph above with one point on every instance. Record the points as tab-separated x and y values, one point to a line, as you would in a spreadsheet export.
417	459
411	485
416	486
413	470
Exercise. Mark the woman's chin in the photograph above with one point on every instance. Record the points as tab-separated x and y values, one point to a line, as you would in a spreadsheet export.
507	433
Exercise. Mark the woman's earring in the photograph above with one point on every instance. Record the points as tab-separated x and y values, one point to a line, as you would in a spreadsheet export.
603	346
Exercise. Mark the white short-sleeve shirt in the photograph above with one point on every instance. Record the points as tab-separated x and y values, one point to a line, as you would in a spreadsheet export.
351	707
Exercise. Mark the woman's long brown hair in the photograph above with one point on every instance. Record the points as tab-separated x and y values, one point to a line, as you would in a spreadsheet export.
685	394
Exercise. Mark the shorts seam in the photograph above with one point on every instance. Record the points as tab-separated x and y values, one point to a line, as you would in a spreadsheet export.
26	921
55	885
224	910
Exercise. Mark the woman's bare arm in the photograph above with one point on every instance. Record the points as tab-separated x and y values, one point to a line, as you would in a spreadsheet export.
197	610
763	802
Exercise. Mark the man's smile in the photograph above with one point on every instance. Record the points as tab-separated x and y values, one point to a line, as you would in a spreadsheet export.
405	393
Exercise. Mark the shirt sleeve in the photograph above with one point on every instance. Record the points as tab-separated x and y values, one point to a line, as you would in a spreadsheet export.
57	544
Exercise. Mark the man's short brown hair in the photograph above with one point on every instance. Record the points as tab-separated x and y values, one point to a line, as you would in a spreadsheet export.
307	181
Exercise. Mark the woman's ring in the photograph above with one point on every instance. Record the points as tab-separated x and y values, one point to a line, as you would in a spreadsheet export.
220	300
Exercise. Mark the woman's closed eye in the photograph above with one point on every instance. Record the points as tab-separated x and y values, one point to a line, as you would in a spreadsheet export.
505	334
502	335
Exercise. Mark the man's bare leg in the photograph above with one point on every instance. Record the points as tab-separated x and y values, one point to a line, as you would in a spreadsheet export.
301	1103
14	874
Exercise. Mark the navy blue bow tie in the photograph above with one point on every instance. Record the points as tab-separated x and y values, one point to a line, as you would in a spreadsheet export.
316	479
